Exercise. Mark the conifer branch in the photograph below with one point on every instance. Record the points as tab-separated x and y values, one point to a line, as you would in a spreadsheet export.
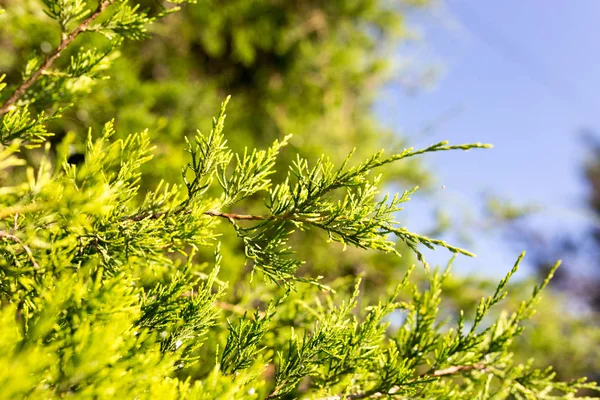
9	236
219	214
435	374
212	213
64	42
240	217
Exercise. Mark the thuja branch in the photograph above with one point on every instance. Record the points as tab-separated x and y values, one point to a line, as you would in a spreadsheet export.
318	220
211	213
65	40
434	374
232	217
242	217
9	236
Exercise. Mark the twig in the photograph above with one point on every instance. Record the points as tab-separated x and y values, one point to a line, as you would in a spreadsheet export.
213	213
9	236
243	217
64	42
457	368
232	217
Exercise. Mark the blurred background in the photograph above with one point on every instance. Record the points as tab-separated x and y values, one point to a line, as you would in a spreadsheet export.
375	74
523	76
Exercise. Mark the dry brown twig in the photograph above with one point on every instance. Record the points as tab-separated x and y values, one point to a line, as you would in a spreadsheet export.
65	40
10	236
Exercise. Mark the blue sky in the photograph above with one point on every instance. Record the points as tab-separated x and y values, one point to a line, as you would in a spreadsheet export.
522	75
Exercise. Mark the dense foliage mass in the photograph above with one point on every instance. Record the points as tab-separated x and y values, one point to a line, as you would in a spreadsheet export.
105	285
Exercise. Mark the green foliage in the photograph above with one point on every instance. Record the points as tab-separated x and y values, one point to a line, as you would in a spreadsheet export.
315	72
65	11
105	291
18	124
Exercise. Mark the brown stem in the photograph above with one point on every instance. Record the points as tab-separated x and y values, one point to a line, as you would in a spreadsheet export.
232	217
64	42
149	215
457	368
9	236
213	213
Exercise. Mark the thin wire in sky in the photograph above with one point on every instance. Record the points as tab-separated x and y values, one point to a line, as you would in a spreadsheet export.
513	51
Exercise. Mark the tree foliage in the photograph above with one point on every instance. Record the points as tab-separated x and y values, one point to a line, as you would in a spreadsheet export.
103	293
